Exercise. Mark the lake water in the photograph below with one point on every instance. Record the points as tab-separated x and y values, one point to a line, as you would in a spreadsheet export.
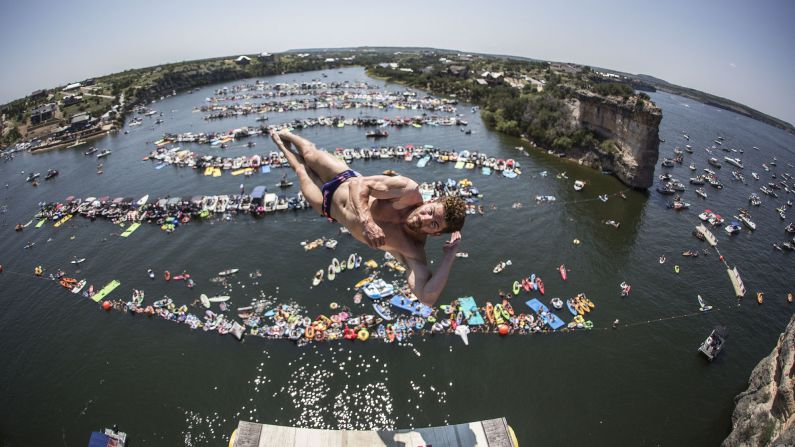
69	368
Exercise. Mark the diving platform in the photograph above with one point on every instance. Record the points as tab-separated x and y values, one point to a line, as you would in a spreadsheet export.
488	433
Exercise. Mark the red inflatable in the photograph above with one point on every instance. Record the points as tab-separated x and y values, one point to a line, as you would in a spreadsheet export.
106	305
504	329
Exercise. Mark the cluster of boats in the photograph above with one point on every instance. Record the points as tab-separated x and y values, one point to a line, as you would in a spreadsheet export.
169	209
263	89
329	99
248	165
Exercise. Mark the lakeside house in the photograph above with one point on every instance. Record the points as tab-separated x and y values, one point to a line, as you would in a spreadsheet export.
460	71
42	114
38	94
492	77
80	122
68	100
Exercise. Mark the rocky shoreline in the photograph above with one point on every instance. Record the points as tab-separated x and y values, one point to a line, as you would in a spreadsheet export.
765	412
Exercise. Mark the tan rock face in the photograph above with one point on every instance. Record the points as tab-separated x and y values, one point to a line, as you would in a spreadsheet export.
635	130
764	413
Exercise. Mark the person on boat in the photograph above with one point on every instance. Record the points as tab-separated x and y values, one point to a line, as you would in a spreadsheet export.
386	213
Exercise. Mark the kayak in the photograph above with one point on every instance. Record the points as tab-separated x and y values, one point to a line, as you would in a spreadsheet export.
218	298
490	312
498	314
571	308
507	309
228	272
331	274
540	285
562	270
318	277
362	282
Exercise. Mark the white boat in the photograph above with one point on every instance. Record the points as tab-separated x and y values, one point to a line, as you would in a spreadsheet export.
712	346
733	228
747	221
318	277
78	261
734	161
462	331
104	153
378	289
501	266
703	307
142	201
269	202
205	301
228	272
77	288
218	298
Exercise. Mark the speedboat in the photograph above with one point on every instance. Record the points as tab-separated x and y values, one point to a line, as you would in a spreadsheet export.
733	228
50	174
579	185
378	289
712	346
32	176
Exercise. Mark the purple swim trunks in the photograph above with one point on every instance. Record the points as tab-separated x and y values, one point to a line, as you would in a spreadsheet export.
330	187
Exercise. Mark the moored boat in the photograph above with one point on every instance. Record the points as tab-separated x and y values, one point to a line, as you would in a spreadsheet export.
712	346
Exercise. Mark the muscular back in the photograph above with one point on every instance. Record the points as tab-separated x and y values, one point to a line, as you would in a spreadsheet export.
389	215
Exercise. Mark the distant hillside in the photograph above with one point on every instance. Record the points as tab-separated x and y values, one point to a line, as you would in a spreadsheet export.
715	101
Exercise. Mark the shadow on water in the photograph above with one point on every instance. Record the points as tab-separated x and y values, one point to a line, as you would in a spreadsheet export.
459	435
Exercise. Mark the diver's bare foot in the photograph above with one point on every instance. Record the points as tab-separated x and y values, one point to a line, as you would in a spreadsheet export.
275	137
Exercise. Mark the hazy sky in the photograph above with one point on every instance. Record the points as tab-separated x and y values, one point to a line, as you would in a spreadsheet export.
741	50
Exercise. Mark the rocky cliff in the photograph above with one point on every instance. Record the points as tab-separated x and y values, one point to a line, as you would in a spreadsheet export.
633	128
765	412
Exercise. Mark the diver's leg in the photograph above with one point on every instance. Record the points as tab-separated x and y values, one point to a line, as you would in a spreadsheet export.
325	165
309	181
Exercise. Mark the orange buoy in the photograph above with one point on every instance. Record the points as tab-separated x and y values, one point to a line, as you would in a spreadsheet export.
106	305
504	329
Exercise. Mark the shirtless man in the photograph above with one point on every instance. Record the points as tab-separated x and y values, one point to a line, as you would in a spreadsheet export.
386	213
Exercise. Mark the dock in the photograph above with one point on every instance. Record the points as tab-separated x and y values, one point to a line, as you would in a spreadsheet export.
488	433
737	283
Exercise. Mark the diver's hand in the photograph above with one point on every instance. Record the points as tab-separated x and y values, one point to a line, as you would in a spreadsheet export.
451	246
373	234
